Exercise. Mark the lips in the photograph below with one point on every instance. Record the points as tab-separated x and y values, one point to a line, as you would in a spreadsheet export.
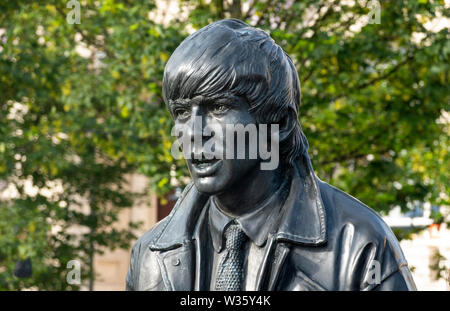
205	167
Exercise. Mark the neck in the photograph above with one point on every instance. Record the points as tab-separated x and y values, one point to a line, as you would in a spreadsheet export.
249	194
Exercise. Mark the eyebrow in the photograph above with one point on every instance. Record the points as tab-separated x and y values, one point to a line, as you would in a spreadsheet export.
179	103
202	100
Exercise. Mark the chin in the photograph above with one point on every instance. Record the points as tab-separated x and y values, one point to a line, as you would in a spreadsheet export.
208	185
223	178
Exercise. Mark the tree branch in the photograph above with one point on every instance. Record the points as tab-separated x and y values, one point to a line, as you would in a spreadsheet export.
250	8
379	78
87	39
235	9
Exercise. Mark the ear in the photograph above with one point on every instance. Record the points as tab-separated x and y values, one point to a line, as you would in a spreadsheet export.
287	124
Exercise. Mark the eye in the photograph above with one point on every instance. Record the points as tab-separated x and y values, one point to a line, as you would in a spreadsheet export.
182	113
220	109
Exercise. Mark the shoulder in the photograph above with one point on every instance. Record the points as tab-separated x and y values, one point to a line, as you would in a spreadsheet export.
357	231
347	212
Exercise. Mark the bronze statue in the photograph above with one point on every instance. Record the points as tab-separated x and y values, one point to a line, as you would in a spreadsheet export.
250	222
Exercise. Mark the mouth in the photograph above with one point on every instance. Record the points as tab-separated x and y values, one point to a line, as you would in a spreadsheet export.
205	167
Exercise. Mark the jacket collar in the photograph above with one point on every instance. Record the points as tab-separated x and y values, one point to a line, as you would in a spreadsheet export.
303	220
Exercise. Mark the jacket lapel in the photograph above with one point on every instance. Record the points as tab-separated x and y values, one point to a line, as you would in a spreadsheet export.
281	253
176	249
183	268
274	258
201	236
303	222
272	263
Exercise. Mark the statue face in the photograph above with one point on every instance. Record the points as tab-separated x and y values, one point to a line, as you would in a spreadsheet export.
215	176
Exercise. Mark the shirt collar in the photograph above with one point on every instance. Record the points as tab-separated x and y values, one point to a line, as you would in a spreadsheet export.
254	224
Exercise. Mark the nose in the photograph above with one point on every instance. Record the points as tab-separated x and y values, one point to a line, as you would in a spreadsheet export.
195	128
195	124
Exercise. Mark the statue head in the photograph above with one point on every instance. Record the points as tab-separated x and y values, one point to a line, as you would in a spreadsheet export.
230	73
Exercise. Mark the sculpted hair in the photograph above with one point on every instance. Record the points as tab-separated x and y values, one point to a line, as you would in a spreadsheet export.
230	56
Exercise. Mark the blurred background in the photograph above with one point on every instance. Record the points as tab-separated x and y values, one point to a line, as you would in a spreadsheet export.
85	163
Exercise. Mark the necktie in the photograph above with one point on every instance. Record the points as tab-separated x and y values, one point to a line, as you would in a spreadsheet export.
229	272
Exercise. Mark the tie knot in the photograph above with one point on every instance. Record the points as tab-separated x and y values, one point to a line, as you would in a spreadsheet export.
234	237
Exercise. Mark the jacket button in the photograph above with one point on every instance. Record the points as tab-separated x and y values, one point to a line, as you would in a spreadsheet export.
175	261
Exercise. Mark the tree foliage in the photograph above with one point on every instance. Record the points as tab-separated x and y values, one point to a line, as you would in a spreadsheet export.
81	107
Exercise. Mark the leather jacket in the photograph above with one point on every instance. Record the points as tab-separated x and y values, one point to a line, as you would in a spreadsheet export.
324	240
